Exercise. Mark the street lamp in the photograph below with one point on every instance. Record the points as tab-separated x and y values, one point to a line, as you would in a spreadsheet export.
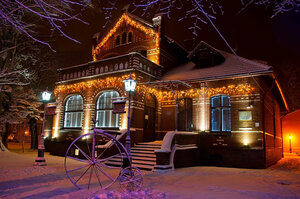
40	160
290	138
129	85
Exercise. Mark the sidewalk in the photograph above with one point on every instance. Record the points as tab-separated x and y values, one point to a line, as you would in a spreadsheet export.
20	179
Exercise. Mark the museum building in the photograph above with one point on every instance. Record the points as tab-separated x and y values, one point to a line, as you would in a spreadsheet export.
199	107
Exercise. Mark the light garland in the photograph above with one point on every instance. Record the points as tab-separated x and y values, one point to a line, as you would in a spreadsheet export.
108	82
240	89
135	24
117	82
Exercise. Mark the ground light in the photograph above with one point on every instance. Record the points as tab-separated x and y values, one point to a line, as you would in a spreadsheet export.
290	138
129	85
40	160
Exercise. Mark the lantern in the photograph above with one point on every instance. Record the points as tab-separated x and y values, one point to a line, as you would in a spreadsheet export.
129	84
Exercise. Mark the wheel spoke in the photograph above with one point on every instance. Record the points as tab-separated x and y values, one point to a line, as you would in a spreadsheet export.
108	158
104	173
77	159
83	153
107	166
91	172
98	177
87	144
83	174
78	168
113	141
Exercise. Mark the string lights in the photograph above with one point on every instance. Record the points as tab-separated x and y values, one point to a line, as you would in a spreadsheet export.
125	18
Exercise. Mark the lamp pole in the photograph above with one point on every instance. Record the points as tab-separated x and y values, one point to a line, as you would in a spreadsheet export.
130	85
40	160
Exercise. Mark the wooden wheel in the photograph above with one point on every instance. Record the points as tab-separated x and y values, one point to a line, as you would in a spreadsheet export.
87	160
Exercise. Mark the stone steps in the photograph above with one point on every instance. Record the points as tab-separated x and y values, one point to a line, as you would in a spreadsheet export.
143	156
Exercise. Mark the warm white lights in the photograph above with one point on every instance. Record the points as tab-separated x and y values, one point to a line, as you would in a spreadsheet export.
246	142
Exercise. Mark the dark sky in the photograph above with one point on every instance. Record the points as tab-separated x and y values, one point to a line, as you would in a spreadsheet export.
253	33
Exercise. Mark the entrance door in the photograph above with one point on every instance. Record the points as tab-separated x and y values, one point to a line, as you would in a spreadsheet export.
149	118
185	114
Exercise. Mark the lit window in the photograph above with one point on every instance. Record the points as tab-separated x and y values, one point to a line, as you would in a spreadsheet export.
220	113
73	112
104	111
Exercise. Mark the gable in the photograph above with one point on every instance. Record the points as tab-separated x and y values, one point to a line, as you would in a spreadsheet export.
127	35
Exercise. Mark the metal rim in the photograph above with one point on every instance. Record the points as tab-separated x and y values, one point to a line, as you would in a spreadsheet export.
131	179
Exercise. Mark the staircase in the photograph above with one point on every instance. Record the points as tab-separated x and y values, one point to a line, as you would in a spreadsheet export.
143	156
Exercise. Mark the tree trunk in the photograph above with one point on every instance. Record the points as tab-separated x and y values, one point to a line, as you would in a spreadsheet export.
2	147
6	134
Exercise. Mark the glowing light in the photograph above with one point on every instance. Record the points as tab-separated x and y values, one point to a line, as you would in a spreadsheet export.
245	142
129	84
46	96
290	137
76	152
26	133
109	82
125	18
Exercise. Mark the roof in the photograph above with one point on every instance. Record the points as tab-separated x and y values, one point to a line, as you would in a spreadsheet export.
232	66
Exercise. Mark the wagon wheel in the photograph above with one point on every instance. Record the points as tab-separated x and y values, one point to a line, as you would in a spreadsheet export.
89	165
131	179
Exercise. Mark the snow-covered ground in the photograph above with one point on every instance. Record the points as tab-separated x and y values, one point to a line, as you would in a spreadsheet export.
20	179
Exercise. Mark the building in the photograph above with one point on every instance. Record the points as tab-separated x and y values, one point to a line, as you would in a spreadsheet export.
208	107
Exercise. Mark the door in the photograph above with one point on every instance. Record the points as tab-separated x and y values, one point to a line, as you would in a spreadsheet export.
149	118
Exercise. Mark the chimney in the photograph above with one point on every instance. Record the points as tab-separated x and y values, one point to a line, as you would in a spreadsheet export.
158	23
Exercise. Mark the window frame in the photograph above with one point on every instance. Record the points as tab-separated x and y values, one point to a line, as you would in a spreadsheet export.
72	111
105	109
220	107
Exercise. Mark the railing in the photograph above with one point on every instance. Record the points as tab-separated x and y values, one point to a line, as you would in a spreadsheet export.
114	64
172	142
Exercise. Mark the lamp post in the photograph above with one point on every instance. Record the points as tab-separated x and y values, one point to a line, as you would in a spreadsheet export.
290	138
40	160
129	85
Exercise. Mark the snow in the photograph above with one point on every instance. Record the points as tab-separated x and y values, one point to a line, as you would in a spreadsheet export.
20	179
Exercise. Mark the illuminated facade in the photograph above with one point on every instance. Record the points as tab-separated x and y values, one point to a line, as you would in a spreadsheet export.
233	104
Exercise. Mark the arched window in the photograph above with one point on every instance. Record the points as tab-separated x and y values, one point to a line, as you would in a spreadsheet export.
104	116
118	40
129	37
124	37
73	112
220	113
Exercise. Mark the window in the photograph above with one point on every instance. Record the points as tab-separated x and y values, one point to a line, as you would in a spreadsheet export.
124	38
220	113
129	37
104	116
73	112
118	40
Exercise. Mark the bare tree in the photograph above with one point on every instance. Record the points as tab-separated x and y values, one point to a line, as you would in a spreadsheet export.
277	6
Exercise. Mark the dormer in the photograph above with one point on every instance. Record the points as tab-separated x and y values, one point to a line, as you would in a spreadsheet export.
204	55
129	34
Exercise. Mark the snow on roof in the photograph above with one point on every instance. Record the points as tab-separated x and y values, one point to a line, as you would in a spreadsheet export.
232	66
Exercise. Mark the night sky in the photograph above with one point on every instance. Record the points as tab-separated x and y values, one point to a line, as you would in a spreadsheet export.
253	33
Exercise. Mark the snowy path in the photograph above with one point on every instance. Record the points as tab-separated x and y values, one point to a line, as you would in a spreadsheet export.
19	179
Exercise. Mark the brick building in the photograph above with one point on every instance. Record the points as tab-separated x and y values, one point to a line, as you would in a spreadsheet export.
199	107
